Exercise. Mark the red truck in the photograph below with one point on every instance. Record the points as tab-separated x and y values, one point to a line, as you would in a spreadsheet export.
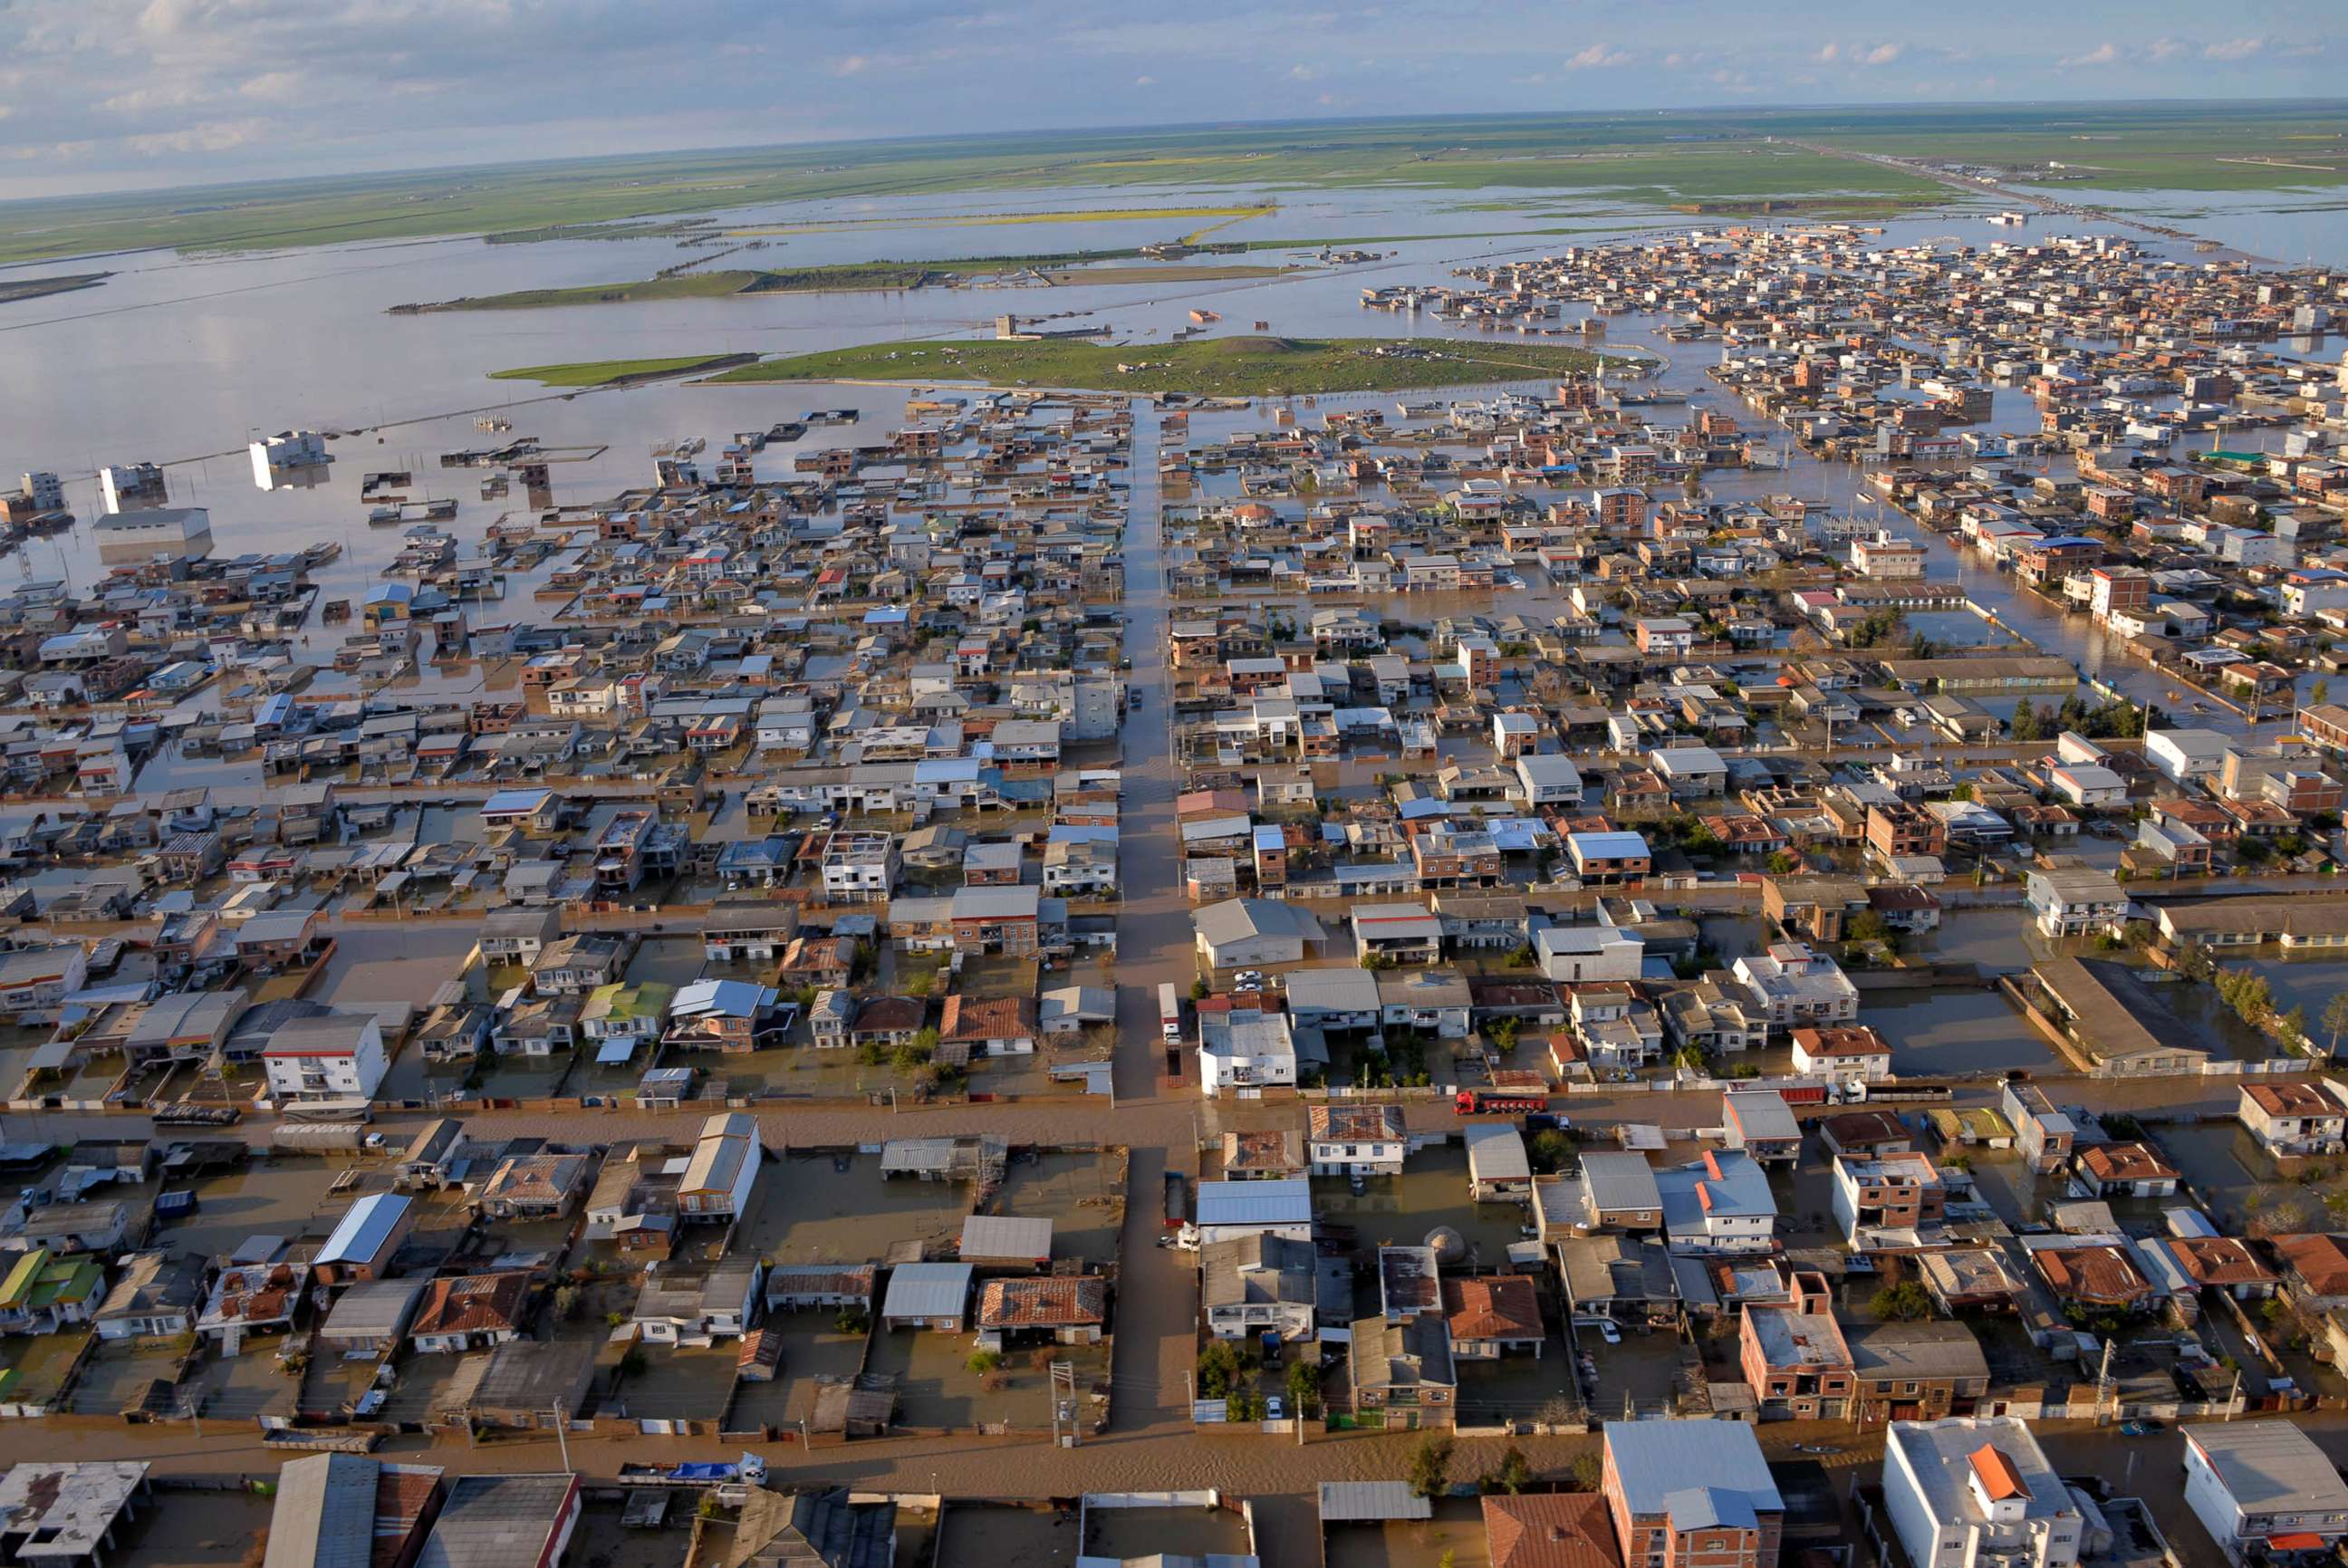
1471	1103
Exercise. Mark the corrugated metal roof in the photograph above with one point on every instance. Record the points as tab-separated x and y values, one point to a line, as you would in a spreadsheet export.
927	1290
324	1514
1283	1202
366	1229
1006	1236
1372	1499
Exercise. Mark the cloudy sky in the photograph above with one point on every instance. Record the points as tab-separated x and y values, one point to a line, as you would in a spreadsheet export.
117	94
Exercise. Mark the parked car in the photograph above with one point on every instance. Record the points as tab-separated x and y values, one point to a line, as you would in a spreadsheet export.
2145	1428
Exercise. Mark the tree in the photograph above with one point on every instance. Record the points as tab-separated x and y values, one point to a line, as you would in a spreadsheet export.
1903	1303
2336	1019
2291	1029
2025	723
1199	990
2321	692
1784	863
1515	1474
1869	927
1550	1148
983	1361
1430	1466
1584	1473
1304	1388
1221	1367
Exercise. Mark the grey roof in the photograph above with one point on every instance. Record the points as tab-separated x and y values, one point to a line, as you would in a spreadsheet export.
1346	990
1619	1181
1496	1152
1238	919
1018	1236
927	1290
374	1309
1371	1501
324	1513
537	1375
1287	1202
2270	1467
1698	1472
498	1521
1761	1112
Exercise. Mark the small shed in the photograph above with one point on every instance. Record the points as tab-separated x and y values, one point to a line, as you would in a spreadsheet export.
1001	1242
927	1295
1498	1169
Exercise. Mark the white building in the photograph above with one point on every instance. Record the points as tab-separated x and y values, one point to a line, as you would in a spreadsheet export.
1722	1203
1245	1049
135	538
335	1056
1550	780
273	455
2263	1486
1794	987
2181	755
1581	952
2071	900
121	485
1278	1208
1349	1139
1977	1492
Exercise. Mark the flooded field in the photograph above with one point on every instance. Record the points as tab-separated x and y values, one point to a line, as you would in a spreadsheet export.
1431	1193
2002	940
1455	1535
988	1534
1958	1030
194	1529
808	1210
1079	1194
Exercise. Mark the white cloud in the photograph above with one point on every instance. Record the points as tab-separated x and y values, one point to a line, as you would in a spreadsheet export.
1881	54
2103	54
1829	53
1597	56
1304	73
1145	82
851	64
2167	49
275	87
2235	49
1675	60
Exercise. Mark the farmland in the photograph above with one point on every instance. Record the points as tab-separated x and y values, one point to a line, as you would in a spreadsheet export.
1222	367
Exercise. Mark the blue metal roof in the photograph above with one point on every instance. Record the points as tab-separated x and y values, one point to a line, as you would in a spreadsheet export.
366	1229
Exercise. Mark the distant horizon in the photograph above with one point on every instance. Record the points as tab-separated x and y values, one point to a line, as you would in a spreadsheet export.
117	96
1755	115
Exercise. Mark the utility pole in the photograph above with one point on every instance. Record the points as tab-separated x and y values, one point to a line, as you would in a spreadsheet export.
2103	1381
1063	1378
562	1433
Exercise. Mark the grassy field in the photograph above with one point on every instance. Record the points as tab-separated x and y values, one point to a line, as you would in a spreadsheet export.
603	372
1000	219
2119	147
1214	366
544	200
1071	266
1720	158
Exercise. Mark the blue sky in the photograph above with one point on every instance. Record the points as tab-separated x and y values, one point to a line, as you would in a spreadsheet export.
113	94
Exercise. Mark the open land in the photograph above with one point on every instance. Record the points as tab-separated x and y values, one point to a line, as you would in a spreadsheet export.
1214	366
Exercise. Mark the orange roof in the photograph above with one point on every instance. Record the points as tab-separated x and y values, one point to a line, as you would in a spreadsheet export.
1550	1530
1998	1479
1493	1306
